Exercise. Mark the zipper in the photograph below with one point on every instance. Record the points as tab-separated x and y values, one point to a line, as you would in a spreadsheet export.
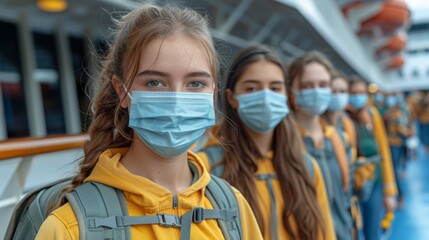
175	202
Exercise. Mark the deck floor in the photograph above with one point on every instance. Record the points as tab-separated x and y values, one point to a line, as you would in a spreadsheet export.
412	221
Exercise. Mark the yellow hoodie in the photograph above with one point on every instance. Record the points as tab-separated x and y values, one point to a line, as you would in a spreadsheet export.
265	166
144	197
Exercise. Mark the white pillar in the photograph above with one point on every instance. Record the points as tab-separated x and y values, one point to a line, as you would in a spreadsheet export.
33	97
67	82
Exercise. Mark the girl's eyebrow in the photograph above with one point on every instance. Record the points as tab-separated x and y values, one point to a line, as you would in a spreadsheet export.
199	74
250	81
164	74
153	73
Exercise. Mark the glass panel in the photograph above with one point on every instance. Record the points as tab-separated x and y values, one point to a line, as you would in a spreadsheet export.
80	68
14	109
46	58
52	104
14	105
9	51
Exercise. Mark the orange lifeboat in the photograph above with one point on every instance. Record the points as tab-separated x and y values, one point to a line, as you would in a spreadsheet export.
393	15
395	43
383	22
396	62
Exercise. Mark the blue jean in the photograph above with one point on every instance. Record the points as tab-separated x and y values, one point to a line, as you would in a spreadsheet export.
372	213
424	133
398	165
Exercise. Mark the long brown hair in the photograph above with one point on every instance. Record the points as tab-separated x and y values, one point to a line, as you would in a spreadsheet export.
240	164
109	128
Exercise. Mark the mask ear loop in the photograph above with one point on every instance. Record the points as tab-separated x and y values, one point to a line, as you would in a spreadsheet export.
128	93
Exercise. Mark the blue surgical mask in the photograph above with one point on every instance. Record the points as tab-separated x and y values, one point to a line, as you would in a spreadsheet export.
358	101
261	111
379	98
338	102
313	101
170	122
391	100
400	98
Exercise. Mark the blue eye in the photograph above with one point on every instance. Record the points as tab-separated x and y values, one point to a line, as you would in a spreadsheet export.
196	84
155	84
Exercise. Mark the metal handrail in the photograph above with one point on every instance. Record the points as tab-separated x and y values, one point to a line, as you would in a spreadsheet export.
29	146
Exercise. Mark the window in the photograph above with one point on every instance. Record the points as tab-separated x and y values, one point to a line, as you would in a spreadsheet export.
48	77
15	110
415	73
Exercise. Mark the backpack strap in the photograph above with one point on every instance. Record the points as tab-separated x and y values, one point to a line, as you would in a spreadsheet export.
98	206
273	225
215	155
308	160
102	213
340	153
222	196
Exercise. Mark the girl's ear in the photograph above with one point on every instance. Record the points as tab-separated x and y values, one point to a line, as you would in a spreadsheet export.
291	100
121	91
231	99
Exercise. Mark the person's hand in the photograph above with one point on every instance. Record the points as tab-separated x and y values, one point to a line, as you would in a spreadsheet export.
390	203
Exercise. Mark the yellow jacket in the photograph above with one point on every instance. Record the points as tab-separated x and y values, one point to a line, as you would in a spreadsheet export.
396	126
365	172
265	166
144	197
422	113
389	184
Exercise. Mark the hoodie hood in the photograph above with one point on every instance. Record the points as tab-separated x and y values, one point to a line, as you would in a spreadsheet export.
143	192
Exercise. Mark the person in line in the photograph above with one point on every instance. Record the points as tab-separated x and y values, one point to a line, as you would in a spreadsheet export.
158	84
360	171
261	155
372	142
378	100
422	111
309	86
397	127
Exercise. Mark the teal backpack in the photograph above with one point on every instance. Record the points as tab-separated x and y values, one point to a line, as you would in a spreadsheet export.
102	213
215	155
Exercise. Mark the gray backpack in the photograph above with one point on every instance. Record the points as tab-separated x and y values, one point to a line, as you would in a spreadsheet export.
102	212
215	155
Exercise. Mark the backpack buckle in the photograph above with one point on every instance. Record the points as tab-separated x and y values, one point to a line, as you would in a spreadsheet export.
168	220
198	215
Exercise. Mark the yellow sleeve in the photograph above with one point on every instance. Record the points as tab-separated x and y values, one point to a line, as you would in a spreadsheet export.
389	184
55	227
249	225
322	199
204	160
